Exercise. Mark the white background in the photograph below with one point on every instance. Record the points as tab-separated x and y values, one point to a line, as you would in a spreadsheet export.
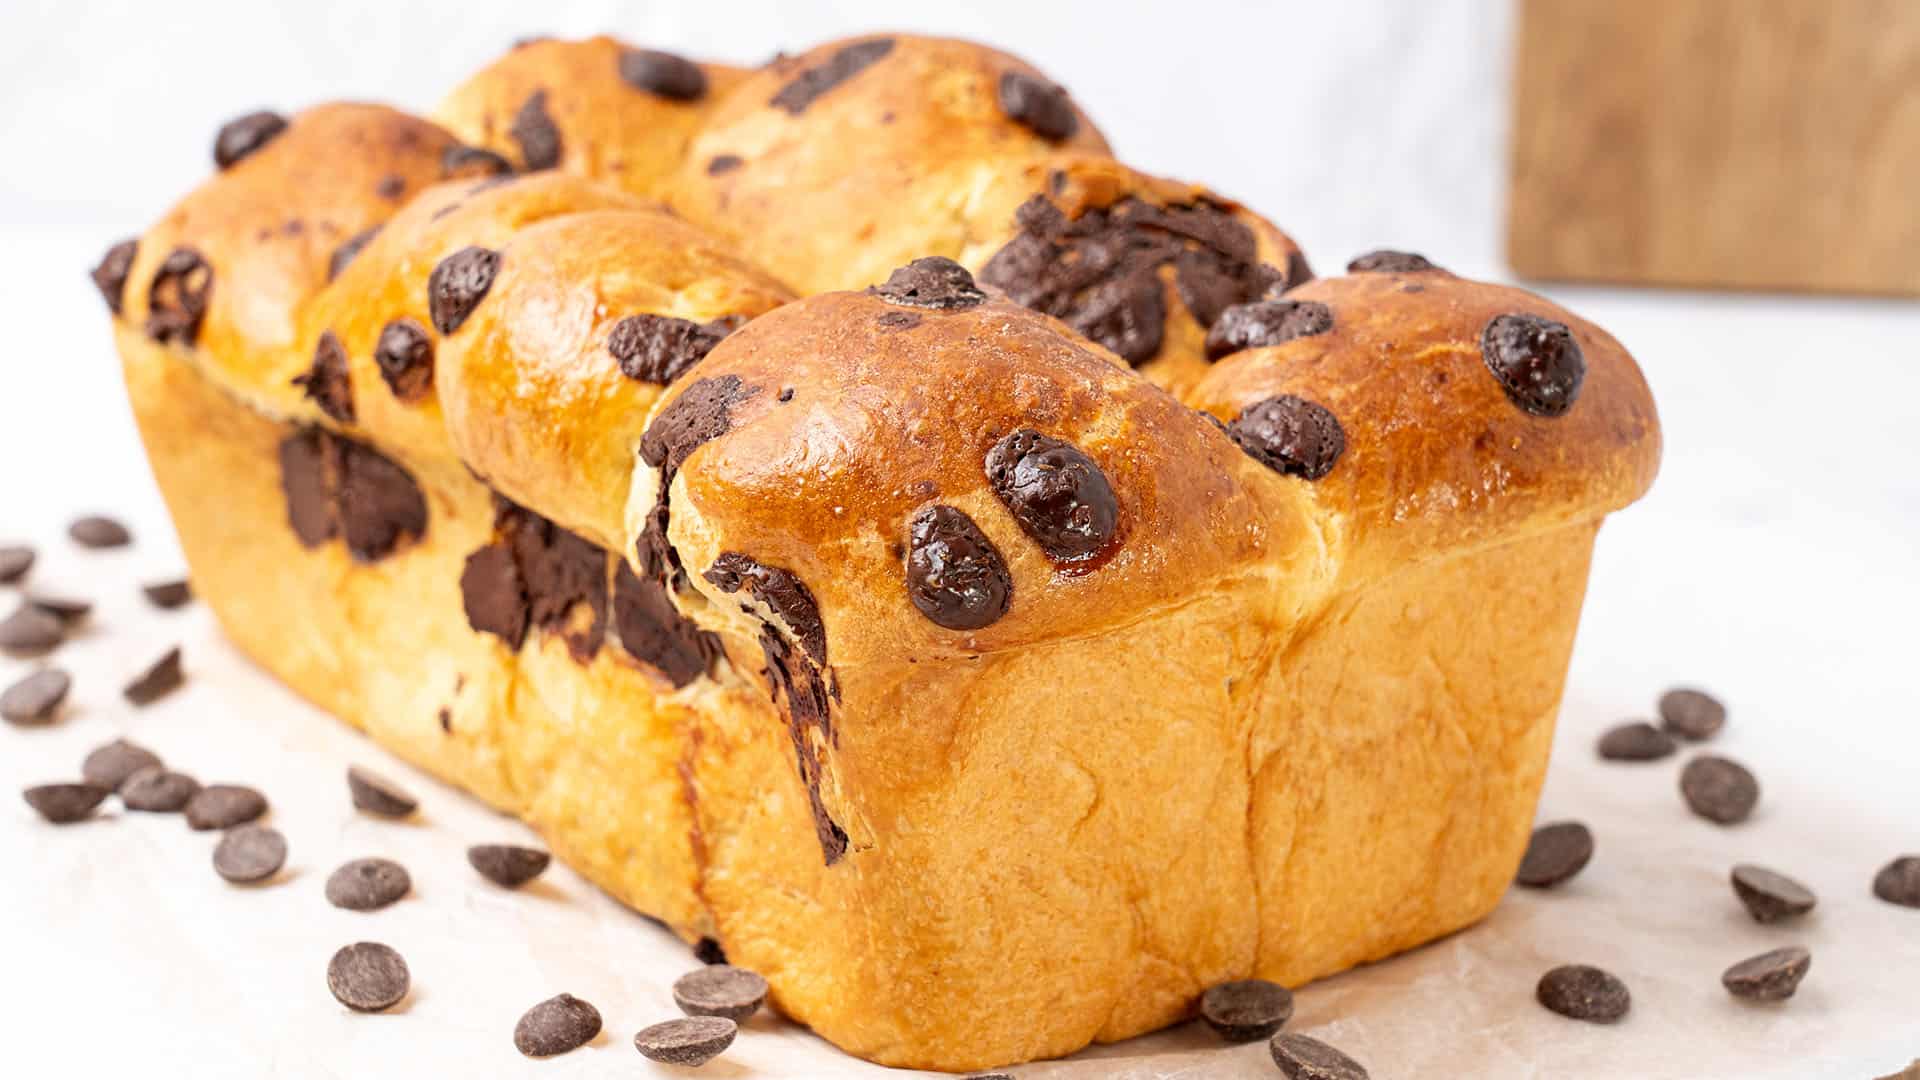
1777	562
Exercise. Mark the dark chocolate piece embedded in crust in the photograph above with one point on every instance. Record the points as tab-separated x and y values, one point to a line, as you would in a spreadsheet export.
663	74
955	575
659	348
1263	323
533	128
457	285
404	355
1042	107
654	631
110	275
336	486
1536	361
243	136
1057	494
808	86
1290	435
178	297
934	282
326	382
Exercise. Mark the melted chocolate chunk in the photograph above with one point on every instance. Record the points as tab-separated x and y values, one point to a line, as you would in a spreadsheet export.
1056	492
780	590
1290	435
658	348
460	161
1041	106
654	631
534	130
177	299
1536	361
326	383
559	570
348	249
110	276
955	575
1389	262
933	282
308	462
494	596
663	74
1264	323
702	413
404	354
243	136
458	284
808	86
795	678
721	164
337	486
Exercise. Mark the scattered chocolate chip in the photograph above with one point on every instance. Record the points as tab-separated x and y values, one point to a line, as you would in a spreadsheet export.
465	162
348	250
846	62
1770	897
367	977
1692	714
15	561
555	1026
35	699
1898	882
659	348
404	354
888	320
177	299
662	73
1580	992
1636	741
160	679
168	595
109	766
326	383
242	136
1771	976
458	284
1057	494
1303	1057
1041	106
158	790
955	575
1263	323
1290	435
690	1041
507	865
1719	789
68	609
30	631
391	187
96	531
222	806
110	275
249	854
1536	361
1555	854
534	130
1245	1010
64	804
934	282
378	795
721	164
708	951
1389	262
720	990
368	884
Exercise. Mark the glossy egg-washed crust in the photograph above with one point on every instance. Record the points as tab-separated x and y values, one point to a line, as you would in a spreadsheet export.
1274	699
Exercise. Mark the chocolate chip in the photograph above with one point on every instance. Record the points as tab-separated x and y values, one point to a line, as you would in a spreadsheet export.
659	348
709	951
888	320
506	864
15	561
662	73
533	128
368	977
1636	741
241	137
1536	360
1692	714
161	678
1246	1009
494	595
368	884
348	250
720	990
168	595
1290	435
1389	262
30	631
1303	1057
222	806
378	795
249	854
1771	976
404	354
35	699
391	187
780	590
1041	106
1898	882
846	62
177	298
1580	992
465	162
68	609
955	575
95	531
654	631
458	284
1718	789
326	383
109	766
1057	494
1555	854
64	804
110	275
158	790
555	1026
721	164
934	282
1264	323
1770	897
690	1041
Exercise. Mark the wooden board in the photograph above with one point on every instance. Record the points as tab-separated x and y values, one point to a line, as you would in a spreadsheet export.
1757	144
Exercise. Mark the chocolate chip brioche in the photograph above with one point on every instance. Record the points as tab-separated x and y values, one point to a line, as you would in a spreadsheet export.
990	592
